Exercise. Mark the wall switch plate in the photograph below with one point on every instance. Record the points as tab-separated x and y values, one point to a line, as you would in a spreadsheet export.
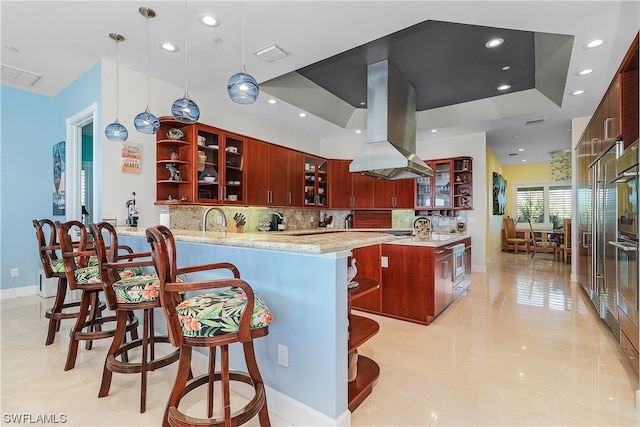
283	355
384	262
14	272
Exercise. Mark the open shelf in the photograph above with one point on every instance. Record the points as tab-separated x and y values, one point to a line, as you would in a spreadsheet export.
368	372
361	329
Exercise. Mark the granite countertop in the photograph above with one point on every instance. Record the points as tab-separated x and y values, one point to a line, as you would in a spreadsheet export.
435	241
312	241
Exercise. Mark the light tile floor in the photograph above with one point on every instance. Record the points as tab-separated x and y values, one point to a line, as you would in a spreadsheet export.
522	347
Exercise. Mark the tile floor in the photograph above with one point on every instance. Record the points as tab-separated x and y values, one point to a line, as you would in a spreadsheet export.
522	347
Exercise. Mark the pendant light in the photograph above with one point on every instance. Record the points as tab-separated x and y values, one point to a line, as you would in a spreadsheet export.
242	87
115	131
184	109
146	122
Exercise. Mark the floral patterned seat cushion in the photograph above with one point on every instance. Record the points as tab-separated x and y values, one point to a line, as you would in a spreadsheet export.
88	275
141	288
58	266
219	312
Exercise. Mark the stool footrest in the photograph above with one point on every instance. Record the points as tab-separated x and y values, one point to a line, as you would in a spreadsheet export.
118	366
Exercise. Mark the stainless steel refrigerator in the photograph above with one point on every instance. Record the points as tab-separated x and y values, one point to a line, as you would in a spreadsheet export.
605	212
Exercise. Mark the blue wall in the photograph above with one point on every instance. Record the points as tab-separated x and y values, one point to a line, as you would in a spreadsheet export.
29	127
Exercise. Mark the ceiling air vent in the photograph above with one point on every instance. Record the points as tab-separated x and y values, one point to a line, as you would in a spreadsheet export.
271	53
534	121
16	75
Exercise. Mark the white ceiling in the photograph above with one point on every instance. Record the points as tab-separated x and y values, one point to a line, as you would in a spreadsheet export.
62	39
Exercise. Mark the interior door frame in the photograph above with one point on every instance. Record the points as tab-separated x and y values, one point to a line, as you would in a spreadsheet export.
73	150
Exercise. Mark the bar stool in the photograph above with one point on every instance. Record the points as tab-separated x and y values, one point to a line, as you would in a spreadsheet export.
79	275
53	267
124	295
229	313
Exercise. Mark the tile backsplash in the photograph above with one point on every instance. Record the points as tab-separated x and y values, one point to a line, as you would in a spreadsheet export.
190	217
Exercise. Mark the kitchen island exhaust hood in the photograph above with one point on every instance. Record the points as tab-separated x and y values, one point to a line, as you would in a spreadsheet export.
391	127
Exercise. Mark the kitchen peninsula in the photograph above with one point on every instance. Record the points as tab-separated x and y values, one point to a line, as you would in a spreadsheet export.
303	278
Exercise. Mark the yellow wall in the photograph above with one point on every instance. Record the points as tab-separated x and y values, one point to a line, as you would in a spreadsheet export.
535	172
494	222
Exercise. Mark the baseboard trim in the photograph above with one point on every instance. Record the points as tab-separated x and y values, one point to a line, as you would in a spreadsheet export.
22	291
280	404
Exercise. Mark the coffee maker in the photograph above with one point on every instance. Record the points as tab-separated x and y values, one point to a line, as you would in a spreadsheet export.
276	222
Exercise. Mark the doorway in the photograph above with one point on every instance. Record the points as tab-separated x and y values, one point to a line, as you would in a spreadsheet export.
82	172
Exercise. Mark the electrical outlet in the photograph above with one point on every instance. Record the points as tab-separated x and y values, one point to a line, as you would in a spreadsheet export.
384	262
15	272
283	355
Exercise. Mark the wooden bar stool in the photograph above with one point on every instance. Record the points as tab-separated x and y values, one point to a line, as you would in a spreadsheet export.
124	295
229	313
75	256
53	267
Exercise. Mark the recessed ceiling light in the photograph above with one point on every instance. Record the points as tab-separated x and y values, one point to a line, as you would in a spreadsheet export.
520	149
504	87
584	72
506	67
272	101
208	20
358	131
524	160
577	92
302	114
434	130
594	43
494	43
169	47
363	103
515	136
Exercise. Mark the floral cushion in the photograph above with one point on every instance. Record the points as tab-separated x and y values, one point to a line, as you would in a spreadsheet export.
546	244
219	312
140	288
58	266
88	275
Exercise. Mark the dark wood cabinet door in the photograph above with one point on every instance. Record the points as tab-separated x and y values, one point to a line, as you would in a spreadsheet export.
383	193
340	184
278	175
407	282
362	189
257	177
405	193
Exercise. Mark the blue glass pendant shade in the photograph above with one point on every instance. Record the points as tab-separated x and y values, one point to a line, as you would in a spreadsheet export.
116	132
243	88
146	122
185	110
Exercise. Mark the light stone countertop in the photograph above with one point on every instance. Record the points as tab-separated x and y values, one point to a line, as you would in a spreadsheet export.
312	241
435	241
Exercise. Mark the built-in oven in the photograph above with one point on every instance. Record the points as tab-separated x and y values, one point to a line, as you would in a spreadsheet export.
626	244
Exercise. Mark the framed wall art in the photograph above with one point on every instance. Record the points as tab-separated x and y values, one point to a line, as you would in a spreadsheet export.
499	194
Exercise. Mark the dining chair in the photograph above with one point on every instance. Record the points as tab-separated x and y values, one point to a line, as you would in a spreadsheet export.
510	235
540	243
76	252
125	295
229	312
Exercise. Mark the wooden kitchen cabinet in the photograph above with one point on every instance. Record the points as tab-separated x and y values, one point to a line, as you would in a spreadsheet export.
178	154
268	180
315	181
435	192
210	163
351	190
463	183
368	259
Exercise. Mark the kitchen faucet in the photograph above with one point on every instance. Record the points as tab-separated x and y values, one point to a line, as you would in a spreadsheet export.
206	213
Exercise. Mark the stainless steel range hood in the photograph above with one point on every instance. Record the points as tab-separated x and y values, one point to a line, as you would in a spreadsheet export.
391	127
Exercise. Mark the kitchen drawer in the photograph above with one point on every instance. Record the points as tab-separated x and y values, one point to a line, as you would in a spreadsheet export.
630	352
629	329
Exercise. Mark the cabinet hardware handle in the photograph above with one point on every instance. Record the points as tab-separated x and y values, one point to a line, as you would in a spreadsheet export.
439	252
445	269
289	197
606	127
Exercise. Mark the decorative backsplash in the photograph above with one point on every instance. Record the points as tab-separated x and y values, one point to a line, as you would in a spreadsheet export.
190	217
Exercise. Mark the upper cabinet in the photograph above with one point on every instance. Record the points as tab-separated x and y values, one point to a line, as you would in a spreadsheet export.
315	181
275	176
450	187
198	164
